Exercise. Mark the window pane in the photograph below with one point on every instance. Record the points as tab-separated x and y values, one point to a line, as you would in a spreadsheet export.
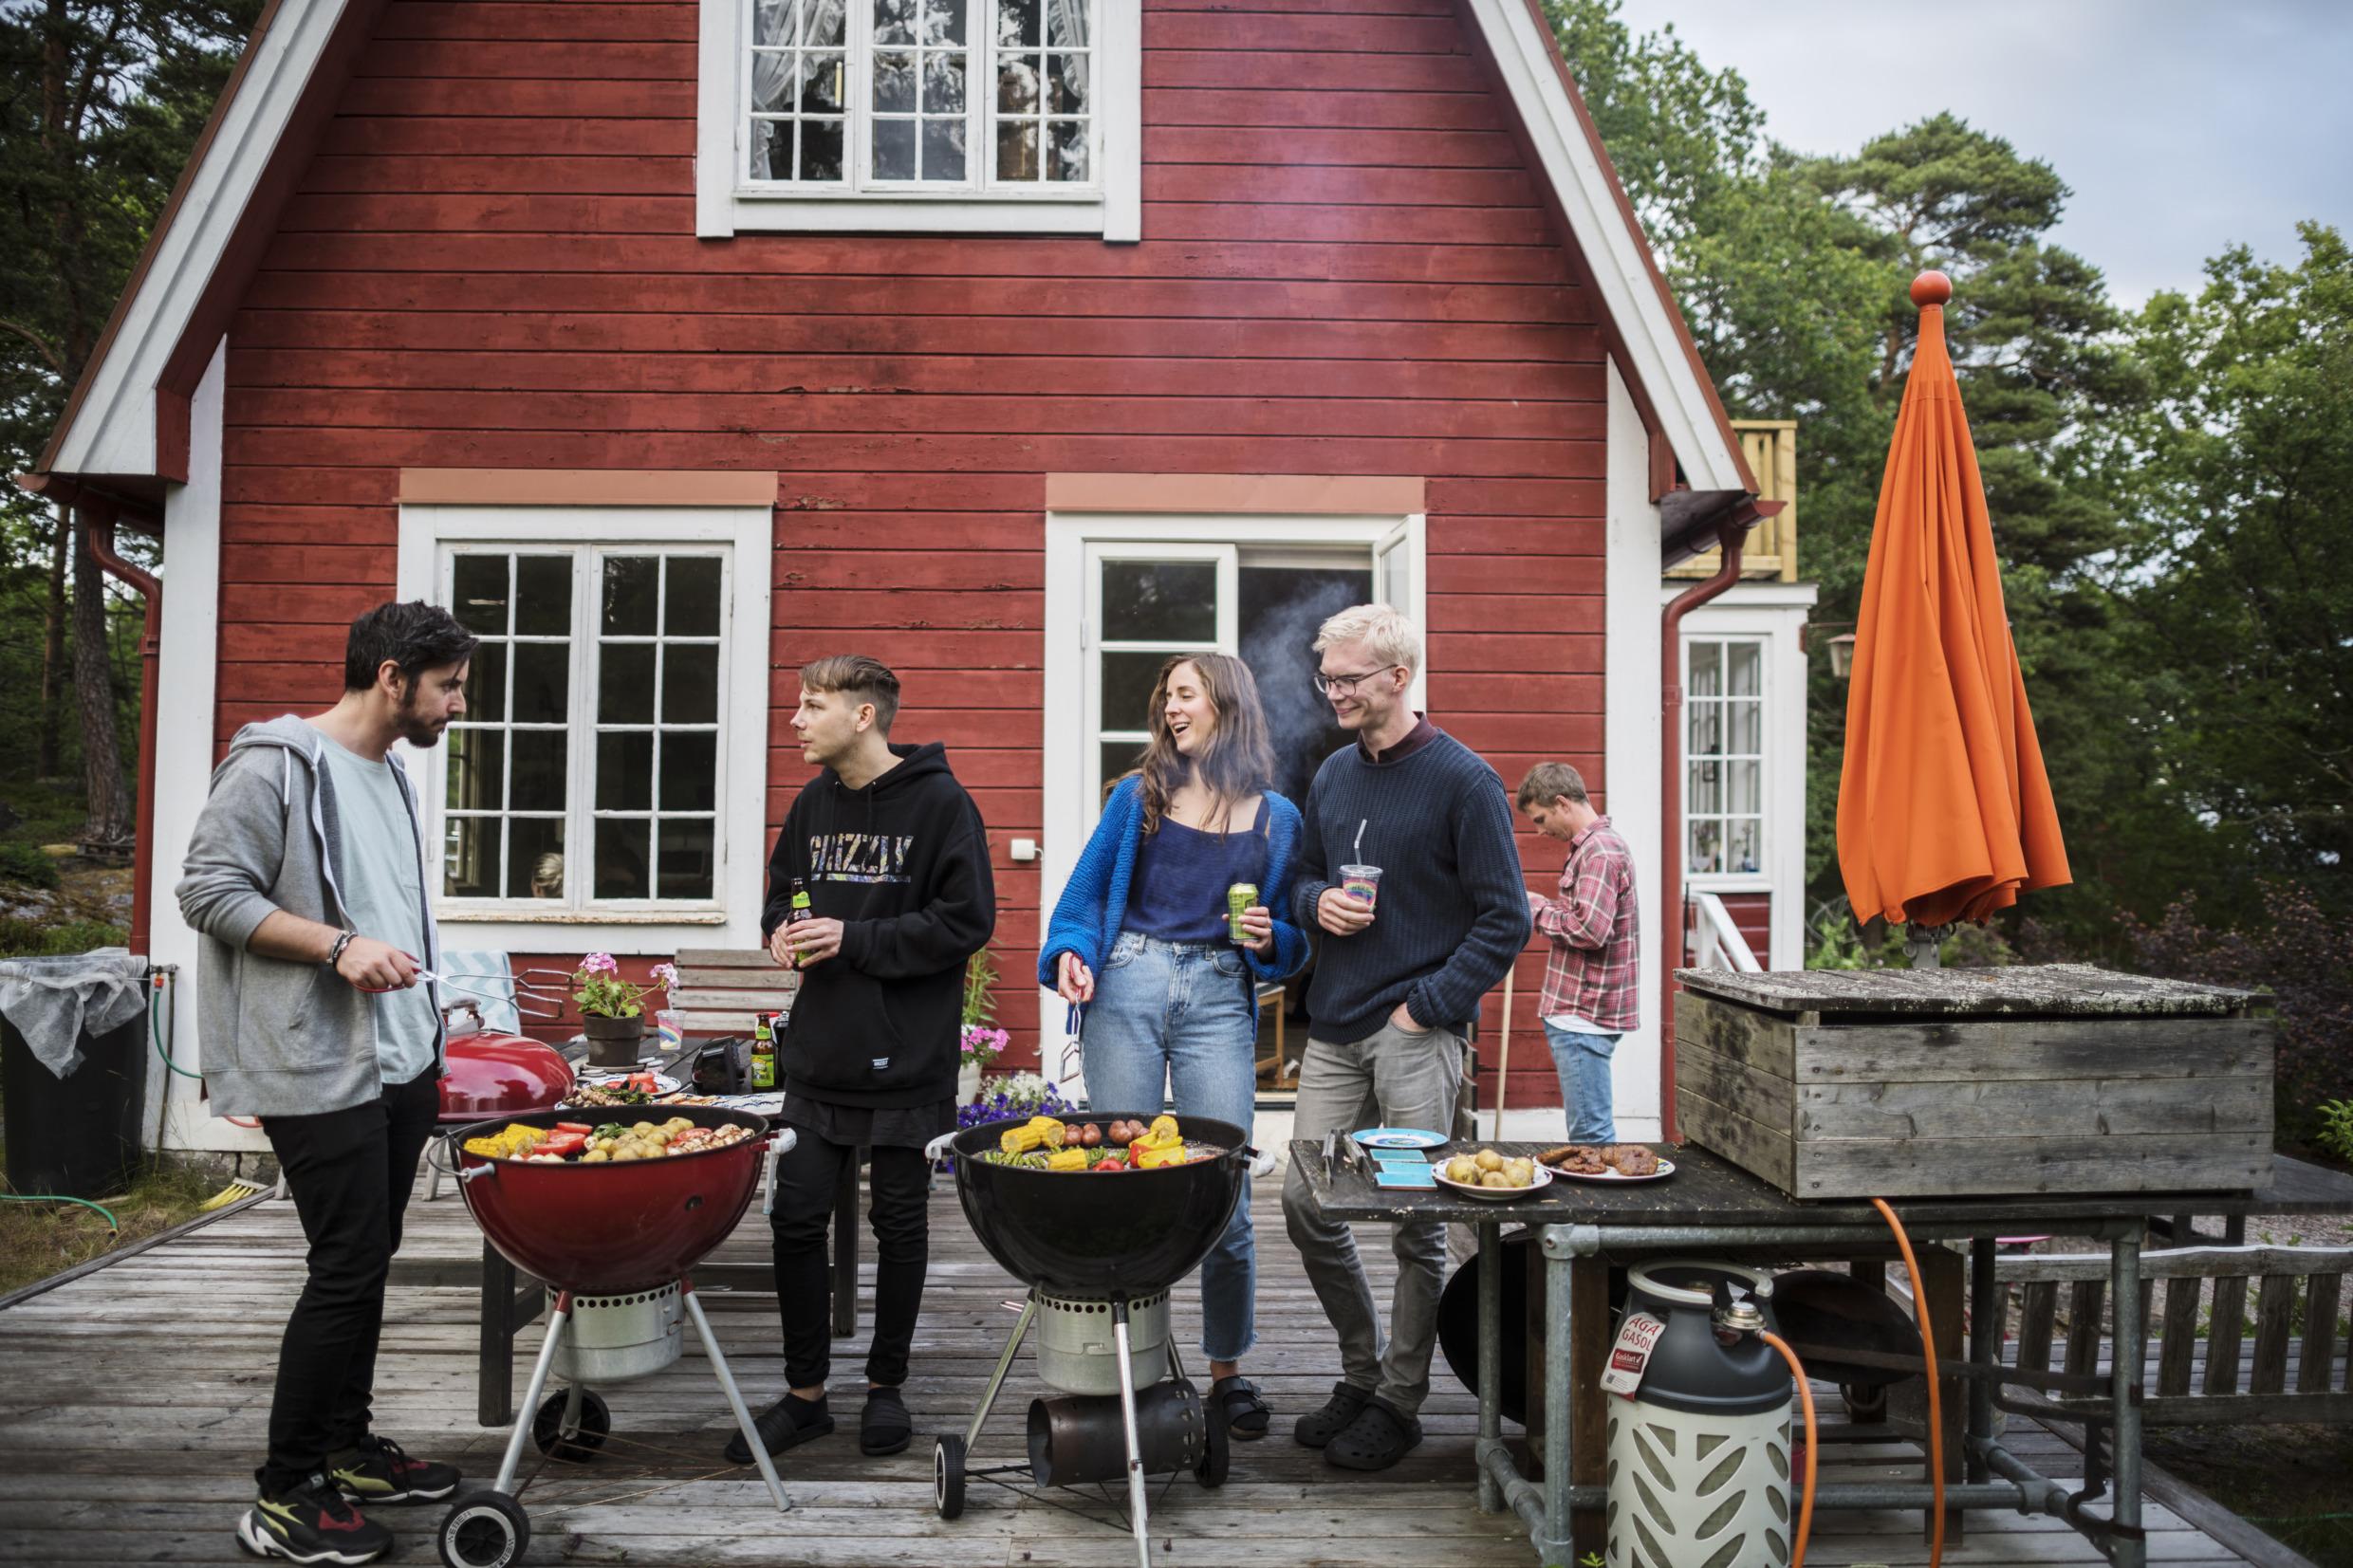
1707	669
486	684
943	149
943	85
1066	149
1707	844
686	866
631	584
1065	83
478	592
943	22
625	683
690	770
1746	660
543	596
1159	600
1117	757
821	22
1747	720
691	598
1707	788
535	858
477	769
689	684
543	682
626	771
1018	84
1017	21
1127	690
622	845
772	22
824	85
1065	23
1706	728
1740	854
821	149
470	857
537	759
894	149
769	152
894	83
1017	150
893	21
1746	781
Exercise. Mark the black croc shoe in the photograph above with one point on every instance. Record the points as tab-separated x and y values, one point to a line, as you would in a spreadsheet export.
1316	1428
787	1423
1376	1440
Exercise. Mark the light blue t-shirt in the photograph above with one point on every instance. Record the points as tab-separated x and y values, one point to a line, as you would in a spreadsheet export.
381	872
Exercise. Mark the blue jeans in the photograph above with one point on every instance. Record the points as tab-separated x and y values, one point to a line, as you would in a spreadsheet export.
1582	1061
1180	1020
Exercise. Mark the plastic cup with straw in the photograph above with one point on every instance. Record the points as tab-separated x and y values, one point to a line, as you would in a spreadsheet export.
1359	881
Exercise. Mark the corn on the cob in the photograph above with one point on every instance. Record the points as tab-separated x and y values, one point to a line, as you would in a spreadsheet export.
1066	1159
1017	1140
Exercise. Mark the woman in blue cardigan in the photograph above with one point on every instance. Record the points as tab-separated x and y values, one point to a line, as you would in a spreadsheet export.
1141	937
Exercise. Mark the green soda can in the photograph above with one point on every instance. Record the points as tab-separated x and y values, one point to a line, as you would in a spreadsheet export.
1239	897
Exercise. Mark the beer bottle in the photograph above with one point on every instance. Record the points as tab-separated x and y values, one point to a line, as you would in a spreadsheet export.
762	1053
799	911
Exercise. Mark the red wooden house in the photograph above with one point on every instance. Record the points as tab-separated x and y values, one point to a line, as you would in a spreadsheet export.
674	342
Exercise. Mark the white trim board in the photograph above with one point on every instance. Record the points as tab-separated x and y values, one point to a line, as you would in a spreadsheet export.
1630	728
742	833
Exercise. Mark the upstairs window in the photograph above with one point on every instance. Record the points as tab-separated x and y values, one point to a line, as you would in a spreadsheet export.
998	116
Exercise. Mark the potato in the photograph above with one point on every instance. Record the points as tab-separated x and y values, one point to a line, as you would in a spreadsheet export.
595	1156
627	1151
642	1128
679	1125
1497	1178
1462	1168
1488	1160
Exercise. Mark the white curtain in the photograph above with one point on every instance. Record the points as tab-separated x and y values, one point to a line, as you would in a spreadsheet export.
779	77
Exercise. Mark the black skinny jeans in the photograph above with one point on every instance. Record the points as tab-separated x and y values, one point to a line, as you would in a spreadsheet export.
349	1173
805	1180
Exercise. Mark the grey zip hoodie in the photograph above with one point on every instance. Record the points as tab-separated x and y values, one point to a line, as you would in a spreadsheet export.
279	1037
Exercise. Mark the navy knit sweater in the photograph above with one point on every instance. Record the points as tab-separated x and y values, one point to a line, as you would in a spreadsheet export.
1453	912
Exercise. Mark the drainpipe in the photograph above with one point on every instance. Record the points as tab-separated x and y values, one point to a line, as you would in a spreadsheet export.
97	528
1731	534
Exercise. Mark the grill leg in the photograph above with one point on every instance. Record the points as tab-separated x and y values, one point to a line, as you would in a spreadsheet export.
513	1460
1135	1449
734	1397
996	1379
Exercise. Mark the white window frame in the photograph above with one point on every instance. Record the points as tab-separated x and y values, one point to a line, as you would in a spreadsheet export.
1721	881
1226	557
732	916
726	202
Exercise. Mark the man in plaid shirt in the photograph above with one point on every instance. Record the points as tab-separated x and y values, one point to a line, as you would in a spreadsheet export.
1592	973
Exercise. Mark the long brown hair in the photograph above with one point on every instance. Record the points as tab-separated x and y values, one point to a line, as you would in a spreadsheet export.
1239	759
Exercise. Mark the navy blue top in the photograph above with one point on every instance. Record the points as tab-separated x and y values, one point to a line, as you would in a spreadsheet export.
1181	878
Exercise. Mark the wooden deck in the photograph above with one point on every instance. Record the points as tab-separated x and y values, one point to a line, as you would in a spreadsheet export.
137	1398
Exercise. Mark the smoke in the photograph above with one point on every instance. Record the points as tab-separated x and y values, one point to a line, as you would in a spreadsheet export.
1281	608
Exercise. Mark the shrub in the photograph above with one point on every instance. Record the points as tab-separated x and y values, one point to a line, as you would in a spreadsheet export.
27	863
22	938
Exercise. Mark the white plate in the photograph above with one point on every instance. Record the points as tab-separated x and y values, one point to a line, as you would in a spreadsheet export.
664	1082
1397	1138
1493	1194
1666	1169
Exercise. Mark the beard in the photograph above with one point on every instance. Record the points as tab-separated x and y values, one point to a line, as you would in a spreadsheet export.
417	727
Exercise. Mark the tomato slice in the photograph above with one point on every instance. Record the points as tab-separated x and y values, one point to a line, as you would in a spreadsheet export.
562	1144
580	1127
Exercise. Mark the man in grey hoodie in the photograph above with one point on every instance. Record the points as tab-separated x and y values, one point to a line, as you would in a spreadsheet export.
305	877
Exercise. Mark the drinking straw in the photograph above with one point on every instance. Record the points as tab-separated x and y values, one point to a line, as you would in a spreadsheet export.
1357	849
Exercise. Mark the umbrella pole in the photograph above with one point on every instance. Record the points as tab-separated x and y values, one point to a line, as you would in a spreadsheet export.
1924	946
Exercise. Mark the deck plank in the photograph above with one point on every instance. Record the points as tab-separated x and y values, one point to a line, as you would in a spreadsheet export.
139	1396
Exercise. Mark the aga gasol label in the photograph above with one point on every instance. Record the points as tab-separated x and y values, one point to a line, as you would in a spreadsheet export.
1631	1353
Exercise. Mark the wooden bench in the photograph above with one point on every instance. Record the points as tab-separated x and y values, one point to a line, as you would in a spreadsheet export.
2285	1280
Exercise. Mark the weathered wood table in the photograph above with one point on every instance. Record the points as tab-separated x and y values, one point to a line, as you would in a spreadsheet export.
1714	1208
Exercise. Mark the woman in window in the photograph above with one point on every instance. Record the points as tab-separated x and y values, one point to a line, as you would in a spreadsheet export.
1143	937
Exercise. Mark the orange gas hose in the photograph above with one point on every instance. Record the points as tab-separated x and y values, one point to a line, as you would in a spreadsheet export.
1928	1350
1813	1448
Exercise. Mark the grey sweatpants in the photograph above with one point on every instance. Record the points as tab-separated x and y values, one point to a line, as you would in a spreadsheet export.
1389	1078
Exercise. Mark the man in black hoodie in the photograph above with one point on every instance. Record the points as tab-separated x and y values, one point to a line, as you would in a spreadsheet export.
895	864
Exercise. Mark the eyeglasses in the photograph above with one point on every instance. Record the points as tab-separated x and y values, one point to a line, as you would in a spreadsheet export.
1344	685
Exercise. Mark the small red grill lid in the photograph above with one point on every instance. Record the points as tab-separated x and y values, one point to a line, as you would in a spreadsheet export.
500	1075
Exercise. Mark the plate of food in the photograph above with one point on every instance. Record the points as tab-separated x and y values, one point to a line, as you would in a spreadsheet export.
1606	1162
603	1090
1397	1138
1492	1175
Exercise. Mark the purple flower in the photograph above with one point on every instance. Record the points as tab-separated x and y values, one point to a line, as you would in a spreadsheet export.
598	963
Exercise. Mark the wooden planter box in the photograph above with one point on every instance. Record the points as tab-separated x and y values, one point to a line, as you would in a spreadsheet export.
1858	1084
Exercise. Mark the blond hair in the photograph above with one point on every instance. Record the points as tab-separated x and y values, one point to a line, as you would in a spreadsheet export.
1388	634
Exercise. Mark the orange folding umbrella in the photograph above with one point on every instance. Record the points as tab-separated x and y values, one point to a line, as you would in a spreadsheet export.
1944	811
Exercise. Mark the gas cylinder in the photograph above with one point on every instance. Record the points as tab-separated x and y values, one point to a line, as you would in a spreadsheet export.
1698	1423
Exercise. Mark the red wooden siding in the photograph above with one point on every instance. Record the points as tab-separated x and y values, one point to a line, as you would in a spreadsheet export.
1753	912
490	263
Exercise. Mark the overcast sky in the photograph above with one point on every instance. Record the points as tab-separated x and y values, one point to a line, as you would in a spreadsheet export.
2182	126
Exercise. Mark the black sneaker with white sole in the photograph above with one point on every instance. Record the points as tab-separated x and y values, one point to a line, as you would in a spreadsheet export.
380	1471
311	1524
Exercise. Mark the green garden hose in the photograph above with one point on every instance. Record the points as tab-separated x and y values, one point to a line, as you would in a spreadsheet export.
155	1032
112	1226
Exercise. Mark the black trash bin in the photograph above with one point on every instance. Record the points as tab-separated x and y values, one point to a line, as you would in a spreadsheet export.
76	1136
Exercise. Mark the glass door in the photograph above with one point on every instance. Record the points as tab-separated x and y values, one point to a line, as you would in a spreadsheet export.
1144	601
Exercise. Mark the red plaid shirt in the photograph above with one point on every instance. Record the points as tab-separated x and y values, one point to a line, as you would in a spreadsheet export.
1592	971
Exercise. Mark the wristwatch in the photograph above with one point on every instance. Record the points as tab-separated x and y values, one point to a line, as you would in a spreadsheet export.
334	954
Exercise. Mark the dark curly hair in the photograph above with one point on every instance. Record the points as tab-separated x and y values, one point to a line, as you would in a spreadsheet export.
416	635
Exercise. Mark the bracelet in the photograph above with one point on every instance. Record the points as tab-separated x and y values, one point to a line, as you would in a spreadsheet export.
334	954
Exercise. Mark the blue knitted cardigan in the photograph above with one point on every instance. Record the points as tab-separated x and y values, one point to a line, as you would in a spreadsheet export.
1093	906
